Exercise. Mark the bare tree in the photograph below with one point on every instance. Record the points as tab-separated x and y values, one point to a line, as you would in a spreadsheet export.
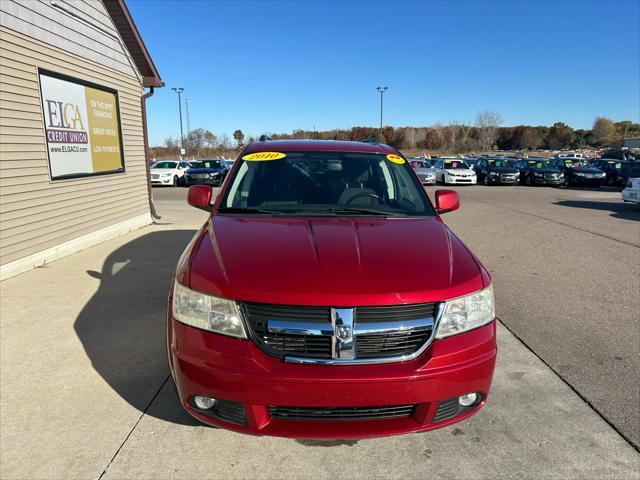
487	123
225	141
453	130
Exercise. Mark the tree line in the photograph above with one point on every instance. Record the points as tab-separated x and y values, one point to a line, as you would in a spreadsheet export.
484	135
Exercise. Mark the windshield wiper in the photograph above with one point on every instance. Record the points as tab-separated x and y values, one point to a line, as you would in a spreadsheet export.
350	210
248	211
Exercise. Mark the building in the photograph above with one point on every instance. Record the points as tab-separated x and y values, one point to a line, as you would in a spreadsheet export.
73	143
632	142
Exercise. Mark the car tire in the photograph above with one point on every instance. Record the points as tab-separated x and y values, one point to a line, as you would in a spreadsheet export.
485	180
176	181
529	181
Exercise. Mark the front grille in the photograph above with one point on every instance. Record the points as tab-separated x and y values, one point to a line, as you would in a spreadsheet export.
368	344
390	344
340	413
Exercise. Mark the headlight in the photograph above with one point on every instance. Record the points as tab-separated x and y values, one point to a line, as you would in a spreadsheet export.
493	174
466	313
579	174
165	174
537	174
207	312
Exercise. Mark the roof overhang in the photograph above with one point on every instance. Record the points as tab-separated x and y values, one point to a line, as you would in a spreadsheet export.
121	17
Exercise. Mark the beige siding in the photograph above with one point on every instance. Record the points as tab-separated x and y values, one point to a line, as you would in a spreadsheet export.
36	213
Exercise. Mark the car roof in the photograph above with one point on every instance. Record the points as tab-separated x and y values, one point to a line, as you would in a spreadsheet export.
318	146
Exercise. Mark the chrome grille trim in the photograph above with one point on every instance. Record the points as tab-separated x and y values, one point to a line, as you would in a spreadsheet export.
306	334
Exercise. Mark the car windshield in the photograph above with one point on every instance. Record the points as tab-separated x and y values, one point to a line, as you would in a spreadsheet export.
575	163
500	163
207	164
537	164
164	165
326	183
419	164
455	165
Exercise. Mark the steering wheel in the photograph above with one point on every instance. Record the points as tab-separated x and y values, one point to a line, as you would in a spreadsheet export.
360	195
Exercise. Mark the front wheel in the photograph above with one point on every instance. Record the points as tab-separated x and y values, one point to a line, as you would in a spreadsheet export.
529	181
175	181
485	180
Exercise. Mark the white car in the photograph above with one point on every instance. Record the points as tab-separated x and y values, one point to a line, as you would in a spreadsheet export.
454	171
168	172
632	192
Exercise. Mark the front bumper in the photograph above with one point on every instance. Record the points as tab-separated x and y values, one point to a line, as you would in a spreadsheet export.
548	181
460	180
204	363
631	195
162	181
427	180
589	181
189	180
504	180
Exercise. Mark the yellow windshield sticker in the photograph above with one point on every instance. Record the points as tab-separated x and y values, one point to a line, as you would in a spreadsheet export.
395	158
263	156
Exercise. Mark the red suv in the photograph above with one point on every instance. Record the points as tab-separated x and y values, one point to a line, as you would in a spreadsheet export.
324	297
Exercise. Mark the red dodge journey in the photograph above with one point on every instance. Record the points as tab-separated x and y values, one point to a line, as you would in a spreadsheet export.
325	298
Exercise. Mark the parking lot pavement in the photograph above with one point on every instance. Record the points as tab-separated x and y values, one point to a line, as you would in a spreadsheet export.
566	283
85	389
533	426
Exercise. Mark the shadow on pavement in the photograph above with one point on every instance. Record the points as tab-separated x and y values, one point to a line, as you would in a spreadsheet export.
626	211
122	327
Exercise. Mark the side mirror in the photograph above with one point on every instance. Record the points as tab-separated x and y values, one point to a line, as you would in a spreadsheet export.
447	201
200	196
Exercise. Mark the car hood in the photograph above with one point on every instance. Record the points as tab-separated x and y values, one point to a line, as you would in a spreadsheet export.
162	170
204	170
332	261
504	170
546	170
459	170
585	170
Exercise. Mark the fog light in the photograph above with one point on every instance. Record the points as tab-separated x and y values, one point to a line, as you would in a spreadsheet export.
465	400
205	403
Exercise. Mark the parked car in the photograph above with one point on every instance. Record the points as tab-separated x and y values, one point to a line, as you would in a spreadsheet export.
612	168
453	171
498	171
168	172
298	311
208	172
471	161
425	173
578	172
632	192
629	170
538	171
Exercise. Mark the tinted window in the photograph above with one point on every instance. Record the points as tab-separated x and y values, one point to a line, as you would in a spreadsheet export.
318	182
164	165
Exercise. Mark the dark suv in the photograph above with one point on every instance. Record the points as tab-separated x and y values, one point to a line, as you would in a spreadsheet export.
537	171
496	171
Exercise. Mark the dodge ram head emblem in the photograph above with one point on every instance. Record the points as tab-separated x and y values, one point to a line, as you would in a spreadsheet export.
343	332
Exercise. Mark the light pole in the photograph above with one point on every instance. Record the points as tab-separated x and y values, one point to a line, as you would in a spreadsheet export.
186	105
179	91
381	90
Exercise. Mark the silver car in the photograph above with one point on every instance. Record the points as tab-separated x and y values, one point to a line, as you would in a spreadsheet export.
425	173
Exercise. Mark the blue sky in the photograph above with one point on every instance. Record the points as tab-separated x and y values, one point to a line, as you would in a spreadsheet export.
278	66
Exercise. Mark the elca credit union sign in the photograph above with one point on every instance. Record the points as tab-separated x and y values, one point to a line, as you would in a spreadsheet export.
82	127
